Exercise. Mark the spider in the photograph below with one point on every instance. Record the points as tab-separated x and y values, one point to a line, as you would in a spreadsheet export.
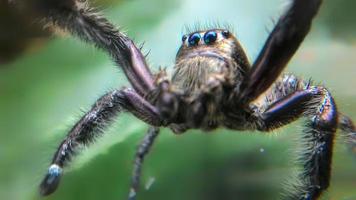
213	85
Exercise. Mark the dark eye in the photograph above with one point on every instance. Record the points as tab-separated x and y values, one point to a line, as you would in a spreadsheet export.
184	37
194	39
210	37
225	33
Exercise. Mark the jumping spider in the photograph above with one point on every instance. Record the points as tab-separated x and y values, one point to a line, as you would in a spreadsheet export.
213	85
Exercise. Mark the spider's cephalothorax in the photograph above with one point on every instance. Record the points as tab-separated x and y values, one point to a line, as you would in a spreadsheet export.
204	54
213	85
209	65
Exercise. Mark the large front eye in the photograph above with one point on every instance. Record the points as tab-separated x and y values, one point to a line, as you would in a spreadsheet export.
210	37
194	39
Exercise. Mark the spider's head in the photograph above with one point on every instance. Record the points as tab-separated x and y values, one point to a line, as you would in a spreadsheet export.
207	52
214	43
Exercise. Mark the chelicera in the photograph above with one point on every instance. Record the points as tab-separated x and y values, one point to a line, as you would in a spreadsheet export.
213	85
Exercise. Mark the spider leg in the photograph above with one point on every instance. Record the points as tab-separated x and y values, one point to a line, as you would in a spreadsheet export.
279	48
88	25
92	124
142	150
317	104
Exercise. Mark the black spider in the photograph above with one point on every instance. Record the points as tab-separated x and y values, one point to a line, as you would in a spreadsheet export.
213	85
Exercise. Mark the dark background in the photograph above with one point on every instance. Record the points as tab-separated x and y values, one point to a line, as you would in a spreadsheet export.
47	82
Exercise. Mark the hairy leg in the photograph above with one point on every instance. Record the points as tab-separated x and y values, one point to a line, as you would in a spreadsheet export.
279	48
92	125
294	99
87	24
142	151
287	100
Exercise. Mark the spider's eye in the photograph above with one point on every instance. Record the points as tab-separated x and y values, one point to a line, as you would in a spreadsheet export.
210	37
225	33
194	39
184	37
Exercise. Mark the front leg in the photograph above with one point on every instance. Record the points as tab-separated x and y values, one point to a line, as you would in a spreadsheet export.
287	100
87	24
318	138
317	104
279	48
92	124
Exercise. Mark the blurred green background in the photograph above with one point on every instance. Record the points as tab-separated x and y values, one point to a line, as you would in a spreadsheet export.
46	85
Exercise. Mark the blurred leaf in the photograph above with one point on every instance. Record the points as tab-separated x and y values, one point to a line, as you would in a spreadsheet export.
340	17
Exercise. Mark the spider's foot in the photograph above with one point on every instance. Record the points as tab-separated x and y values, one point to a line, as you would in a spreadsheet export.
51	181
132	195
